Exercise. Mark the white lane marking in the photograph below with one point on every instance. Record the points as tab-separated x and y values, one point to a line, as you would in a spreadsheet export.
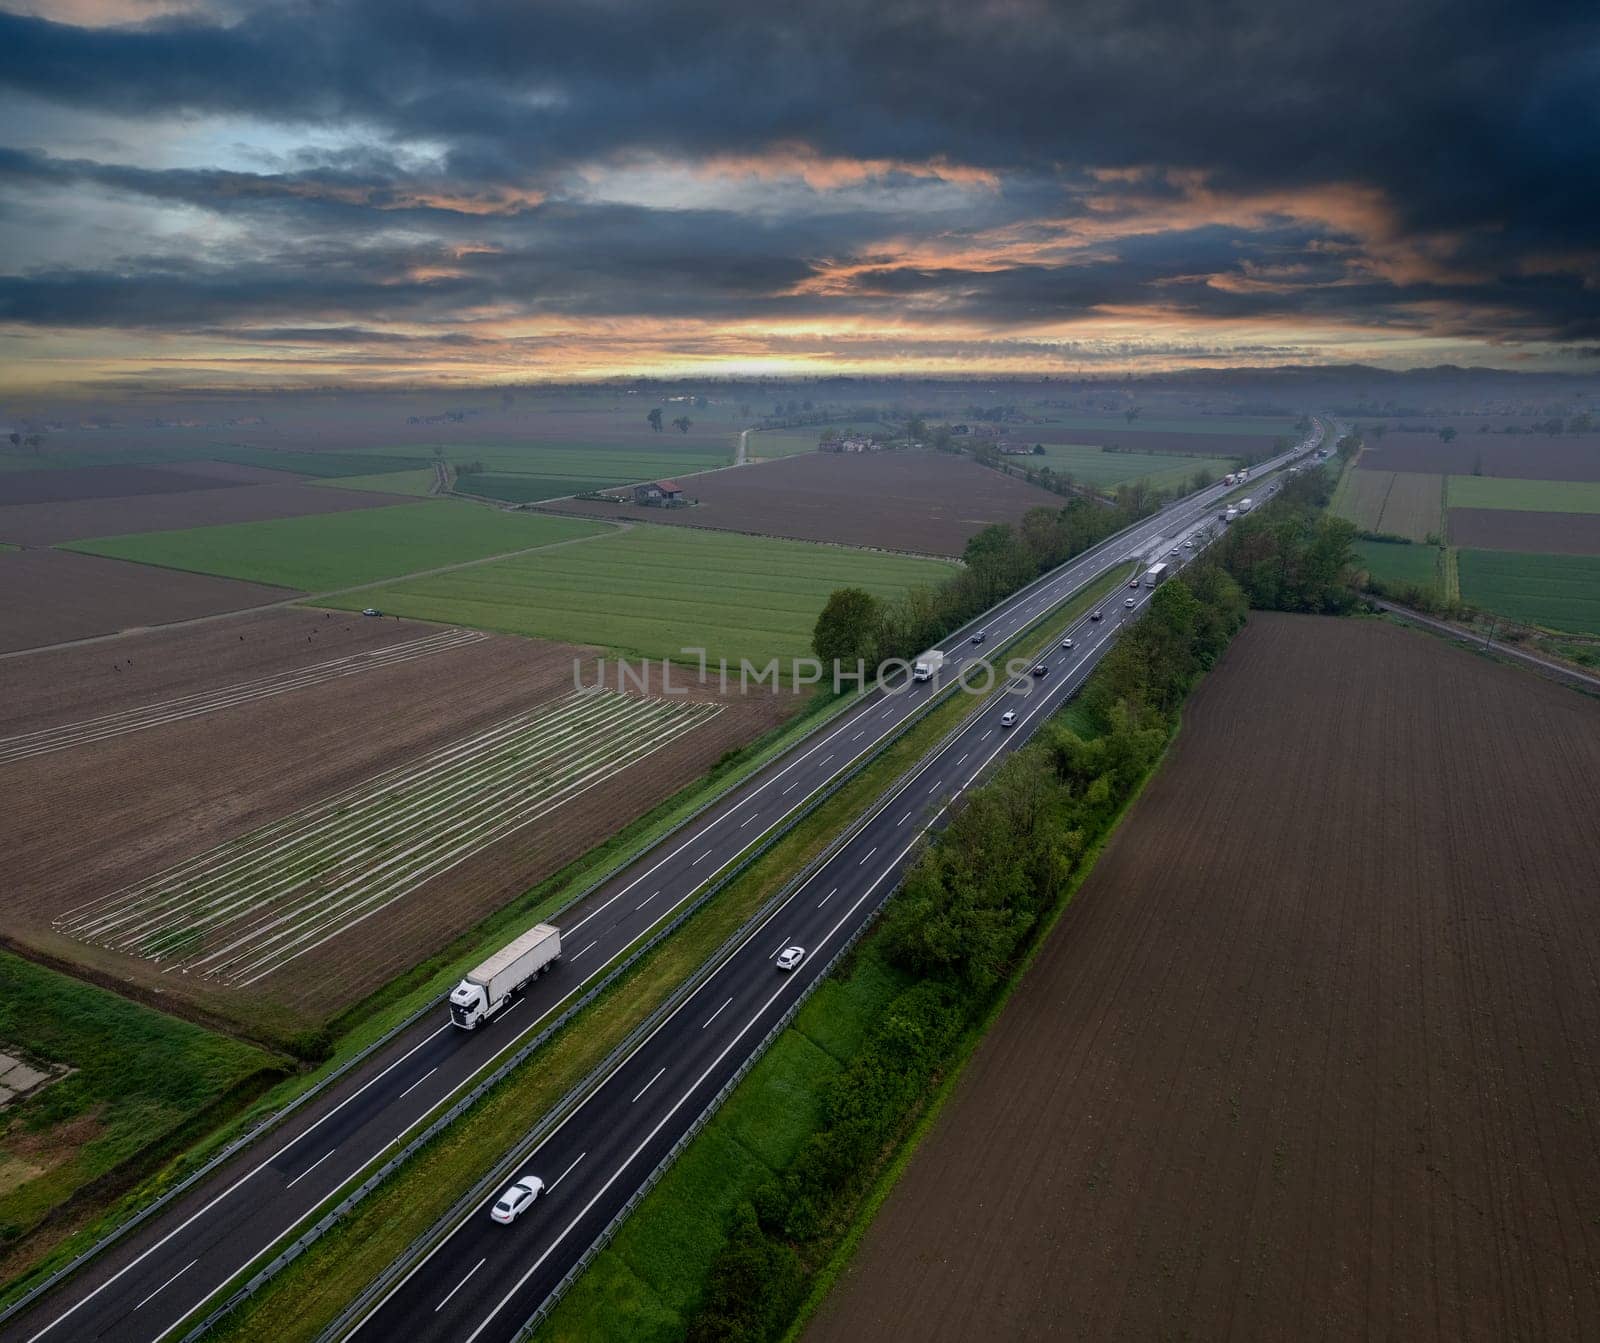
590	947
964	755
248	1175
169	1282
825	759
460	1284
792	785
987	735
868	854
701	858
649	1084
938	784
859	735
425	1076
829	896
645	901
307	1171
565	1173
514	1006
752	816
903	820
713	1016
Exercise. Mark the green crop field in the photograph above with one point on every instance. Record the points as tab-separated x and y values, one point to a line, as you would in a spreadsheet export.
528	489
334	550
1394	562
1556	592
139	1076
652	591
1091	466
321	463
1532	496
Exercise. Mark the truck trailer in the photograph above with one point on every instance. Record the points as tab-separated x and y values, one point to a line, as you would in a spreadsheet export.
927	666
489	986
1245	505
1155	574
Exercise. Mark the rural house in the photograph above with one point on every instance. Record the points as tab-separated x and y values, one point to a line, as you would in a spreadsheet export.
659	494
851	443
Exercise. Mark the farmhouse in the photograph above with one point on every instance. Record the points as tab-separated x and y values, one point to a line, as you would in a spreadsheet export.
851	443
659	494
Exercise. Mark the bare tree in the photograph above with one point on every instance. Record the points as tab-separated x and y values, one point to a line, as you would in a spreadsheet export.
682	423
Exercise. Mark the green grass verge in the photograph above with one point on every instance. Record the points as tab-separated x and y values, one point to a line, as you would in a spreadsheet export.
301	1301
334	550
325	464
1554	592
653	590
1535	496
140	1081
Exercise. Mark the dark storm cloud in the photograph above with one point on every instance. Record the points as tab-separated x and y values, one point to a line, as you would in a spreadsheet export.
1475	125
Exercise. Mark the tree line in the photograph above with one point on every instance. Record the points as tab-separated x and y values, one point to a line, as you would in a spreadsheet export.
973	902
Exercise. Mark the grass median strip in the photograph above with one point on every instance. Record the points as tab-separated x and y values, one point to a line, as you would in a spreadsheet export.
308	1295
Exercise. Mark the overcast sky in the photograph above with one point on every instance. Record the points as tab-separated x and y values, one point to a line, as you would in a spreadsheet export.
228	192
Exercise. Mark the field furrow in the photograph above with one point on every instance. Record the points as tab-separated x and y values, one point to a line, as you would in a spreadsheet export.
244	909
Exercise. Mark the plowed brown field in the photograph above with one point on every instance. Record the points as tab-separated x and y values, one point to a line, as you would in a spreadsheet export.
211	504
52	596
929	503
1313	1052
86	822
1520	529
1515	456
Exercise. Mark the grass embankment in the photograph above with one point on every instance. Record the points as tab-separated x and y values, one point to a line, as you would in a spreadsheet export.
1091	465
140	1083
418	482
311	1292
651	591
336	550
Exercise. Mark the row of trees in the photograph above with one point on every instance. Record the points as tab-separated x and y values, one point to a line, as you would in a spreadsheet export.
972	904
681	424
1291	554
857	626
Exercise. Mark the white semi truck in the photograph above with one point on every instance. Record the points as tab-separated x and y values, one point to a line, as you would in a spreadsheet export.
1155	574
1232	515
1245	505
489	987
927	666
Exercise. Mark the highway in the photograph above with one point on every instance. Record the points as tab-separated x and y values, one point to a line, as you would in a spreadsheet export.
146	1284
484	1280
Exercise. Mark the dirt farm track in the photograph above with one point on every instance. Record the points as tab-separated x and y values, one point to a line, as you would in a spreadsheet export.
1314	1053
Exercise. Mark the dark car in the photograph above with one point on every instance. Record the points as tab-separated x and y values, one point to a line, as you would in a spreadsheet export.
980	636
1039	669
1097	615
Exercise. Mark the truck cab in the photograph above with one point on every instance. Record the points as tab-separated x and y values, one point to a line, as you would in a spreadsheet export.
469	1005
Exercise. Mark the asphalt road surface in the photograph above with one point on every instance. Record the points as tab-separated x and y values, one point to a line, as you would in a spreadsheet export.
147	1284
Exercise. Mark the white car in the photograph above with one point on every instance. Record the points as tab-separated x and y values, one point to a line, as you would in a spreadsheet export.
517	1199
1008	718
790	957
1134	581
1129	603
371	611
1067	642
1188	545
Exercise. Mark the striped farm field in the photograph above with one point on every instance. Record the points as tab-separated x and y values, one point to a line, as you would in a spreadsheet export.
1555	592
179	708
246	909
1394	503
1360	497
